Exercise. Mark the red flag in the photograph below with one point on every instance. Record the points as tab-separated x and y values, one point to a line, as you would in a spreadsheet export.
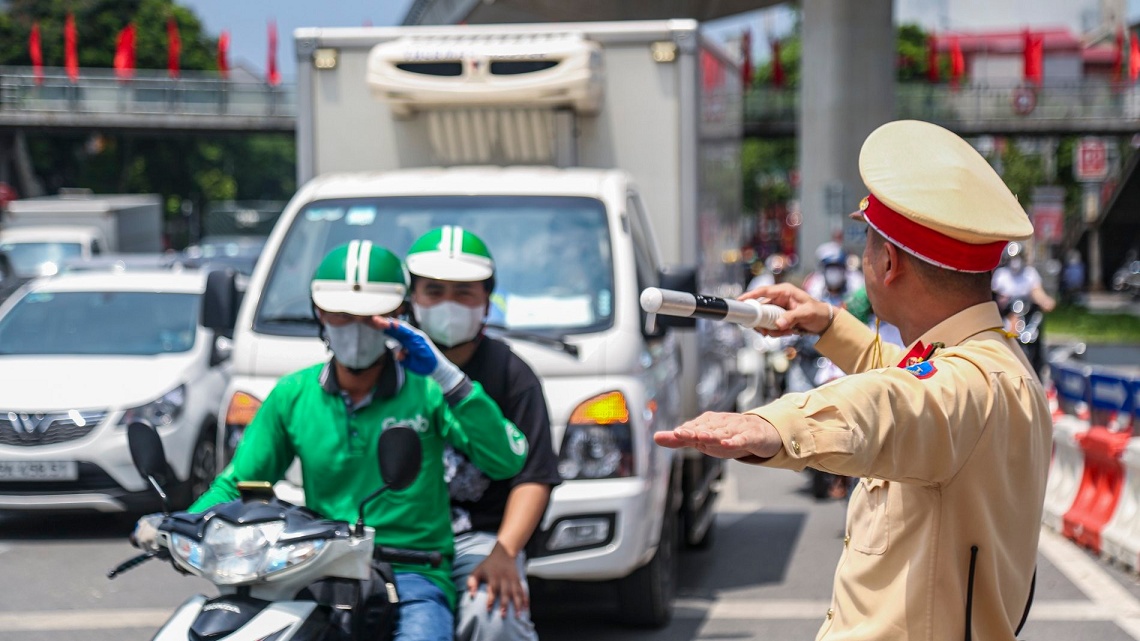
271	74
746	59
223	54
173	47
933	73
125	53
70	49
1118	57
36	54
1034	57
957	61
1133	58
777	66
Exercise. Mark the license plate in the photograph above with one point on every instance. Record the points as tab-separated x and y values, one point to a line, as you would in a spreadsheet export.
38	471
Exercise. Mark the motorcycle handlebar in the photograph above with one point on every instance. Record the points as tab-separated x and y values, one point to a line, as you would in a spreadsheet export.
133	563
414	557
749	313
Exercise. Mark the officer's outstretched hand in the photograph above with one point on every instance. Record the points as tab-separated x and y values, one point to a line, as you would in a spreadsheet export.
725	435
805	314
420	354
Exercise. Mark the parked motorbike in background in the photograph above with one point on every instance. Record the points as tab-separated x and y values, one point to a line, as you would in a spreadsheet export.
283	572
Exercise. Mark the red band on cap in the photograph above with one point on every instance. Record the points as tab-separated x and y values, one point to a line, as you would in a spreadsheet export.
929	244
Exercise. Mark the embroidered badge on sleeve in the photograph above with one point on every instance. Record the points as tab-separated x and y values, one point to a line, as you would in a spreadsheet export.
922	370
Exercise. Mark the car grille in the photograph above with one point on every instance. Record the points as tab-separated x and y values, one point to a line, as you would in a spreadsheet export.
34	428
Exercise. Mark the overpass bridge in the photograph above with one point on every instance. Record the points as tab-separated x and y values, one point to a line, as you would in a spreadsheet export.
1010	109
150	102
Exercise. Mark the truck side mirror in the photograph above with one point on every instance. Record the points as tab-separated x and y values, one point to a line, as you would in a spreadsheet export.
220	302
683	279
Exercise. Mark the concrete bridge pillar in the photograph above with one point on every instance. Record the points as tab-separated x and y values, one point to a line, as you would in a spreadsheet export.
847	89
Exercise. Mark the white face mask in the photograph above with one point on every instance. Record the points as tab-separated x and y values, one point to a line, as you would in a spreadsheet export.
449	323
356	345
834	277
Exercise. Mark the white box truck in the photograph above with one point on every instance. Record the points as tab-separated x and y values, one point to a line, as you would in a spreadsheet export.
592	158
39	234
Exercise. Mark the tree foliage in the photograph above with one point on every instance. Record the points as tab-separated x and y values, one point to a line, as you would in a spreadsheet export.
180	167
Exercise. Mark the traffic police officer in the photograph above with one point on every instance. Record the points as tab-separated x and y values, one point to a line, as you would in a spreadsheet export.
951	436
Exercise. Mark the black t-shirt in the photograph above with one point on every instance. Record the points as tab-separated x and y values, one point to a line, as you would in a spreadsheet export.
477	502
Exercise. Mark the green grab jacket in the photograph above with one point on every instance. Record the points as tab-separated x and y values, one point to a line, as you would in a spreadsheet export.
306	417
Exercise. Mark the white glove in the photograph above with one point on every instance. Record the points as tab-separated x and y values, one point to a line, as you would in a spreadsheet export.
424	358
145	535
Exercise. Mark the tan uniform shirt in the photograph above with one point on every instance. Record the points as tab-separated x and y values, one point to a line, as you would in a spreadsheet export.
952	454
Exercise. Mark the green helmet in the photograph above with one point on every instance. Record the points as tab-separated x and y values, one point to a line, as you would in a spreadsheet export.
360	279
450	253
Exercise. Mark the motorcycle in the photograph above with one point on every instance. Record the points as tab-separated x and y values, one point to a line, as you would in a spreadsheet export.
283	572
1025	319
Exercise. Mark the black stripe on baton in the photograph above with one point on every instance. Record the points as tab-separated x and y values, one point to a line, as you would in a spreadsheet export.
710	307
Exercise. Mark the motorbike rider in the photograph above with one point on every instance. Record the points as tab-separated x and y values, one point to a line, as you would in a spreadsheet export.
833	280
330	415
1017	279
453	275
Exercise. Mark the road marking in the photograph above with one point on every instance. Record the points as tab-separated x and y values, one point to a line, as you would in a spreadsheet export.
84	620
744	609
730	501
1093	581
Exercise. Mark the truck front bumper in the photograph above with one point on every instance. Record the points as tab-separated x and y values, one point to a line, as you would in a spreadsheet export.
596	530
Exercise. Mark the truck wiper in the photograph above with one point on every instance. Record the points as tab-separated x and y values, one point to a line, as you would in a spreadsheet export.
541	339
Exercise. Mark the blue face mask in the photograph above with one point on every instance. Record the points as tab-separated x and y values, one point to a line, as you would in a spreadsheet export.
356	345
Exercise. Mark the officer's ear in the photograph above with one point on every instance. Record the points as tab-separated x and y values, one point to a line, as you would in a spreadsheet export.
892	263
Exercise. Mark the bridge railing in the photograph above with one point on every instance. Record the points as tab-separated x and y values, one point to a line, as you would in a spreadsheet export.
1095	104
149	92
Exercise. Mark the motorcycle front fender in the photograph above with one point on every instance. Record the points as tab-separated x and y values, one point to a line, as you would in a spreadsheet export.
280	621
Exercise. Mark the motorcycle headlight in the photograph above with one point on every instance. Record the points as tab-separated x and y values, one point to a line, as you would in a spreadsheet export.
231	554
159	412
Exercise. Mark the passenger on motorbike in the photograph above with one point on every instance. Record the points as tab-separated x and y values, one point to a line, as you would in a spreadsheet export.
453	275
330	416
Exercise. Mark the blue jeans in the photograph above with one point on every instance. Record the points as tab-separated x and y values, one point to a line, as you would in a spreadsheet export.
425	614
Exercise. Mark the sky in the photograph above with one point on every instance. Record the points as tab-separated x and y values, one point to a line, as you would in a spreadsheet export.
247	21
248	24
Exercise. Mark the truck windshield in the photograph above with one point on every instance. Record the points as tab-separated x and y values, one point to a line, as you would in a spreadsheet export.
552	256
39	259
100	323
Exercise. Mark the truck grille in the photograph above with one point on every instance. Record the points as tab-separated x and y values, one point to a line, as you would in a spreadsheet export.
46	428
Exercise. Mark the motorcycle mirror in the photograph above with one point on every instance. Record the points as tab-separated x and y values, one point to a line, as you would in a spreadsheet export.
146	449
400	454
148	456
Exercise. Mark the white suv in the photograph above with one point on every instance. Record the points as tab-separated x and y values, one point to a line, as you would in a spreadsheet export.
83	354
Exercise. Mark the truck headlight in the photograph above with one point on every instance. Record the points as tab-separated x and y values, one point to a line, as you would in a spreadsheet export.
239	414
159	412
597	442
231	554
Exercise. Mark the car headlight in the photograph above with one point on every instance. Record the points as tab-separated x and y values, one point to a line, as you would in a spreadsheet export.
231	554
159	412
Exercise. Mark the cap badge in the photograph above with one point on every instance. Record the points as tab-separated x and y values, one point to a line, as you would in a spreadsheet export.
864	203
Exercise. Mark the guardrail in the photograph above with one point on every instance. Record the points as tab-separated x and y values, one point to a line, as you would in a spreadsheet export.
1093	492
194	100
982	108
